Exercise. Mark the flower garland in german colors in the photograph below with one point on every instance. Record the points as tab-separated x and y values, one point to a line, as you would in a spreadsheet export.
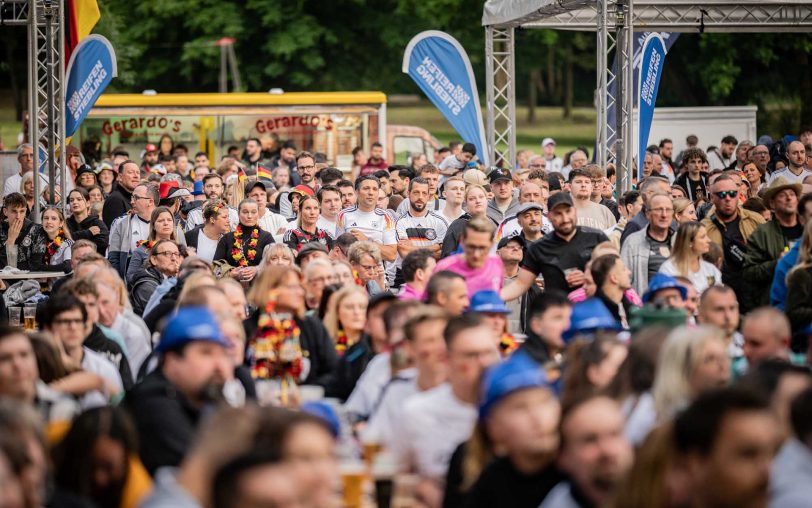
237	254
53	247
148	244
275	350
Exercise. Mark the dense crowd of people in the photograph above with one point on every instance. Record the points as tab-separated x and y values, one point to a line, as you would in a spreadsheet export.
258	332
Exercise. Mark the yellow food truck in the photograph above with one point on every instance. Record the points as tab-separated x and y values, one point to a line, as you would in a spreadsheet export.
332	123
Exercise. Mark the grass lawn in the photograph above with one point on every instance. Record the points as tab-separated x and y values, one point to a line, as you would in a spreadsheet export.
9	126
568	133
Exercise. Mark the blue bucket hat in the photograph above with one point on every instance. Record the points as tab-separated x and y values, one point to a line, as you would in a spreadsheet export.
590	316
488	300
191	324
662	281
198	189
325	412
518	372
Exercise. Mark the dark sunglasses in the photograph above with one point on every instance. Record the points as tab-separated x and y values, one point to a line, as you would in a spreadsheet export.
725	194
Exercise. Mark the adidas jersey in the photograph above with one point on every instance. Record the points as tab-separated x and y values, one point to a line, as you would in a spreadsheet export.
423	231
377	225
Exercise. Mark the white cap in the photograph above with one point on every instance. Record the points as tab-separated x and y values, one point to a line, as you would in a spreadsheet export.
547	141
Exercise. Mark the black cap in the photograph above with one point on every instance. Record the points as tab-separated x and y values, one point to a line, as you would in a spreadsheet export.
555	183
84	168
559	198
498	175
310	248
506	240
254	183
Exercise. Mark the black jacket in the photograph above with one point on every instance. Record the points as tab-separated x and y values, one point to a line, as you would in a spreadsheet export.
32	244
79	231
317	346
192	236
165	420
226	243
97	341
451	241
349	369
143	285
117	204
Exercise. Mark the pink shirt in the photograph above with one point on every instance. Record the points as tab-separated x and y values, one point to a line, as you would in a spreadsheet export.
407	292
489	276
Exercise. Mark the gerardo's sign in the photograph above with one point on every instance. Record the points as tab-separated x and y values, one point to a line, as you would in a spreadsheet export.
140	123
271	124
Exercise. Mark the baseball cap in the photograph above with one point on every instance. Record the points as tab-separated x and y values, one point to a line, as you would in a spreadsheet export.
165	187
302	190
547	141
158	168
555	183
326	413
498	175
150	148
518	372
488	300
526	207
506	240
191	324
559	198
310	248
474	177
104	165
254	184
84	168
177	192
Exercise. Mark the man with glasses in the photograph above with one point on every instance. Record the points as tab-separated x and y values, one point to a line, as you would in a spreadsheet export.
213	188
433	423
25	156
646	250
730	227
481	269
66	318
163	263
129	229
317	275
760	155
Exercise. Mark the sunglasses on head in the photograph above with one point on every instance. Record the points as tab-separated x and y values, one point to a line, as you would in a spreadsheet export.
725	194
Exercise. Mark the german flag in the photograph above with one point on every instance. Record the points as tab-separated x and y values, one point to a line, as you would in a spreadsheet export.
80	16
264	173
241	176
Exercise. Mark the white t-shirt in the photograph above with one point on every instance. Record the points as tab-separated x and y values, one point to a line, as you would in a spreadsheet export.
432	424
368	388
272	222
327	225
451	164
380	427
510	227
789	176
206	247
435	205
707	275
377	225
595	215
98	364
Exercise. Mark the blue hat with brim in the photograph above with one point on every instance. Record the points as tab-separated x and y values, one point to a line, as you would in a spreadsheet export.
191	324
488	300
518	372
590	316
198	189
662	281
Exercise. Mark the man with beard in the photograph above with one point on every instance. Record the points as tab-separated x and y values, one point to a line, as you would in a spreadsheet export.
529	193
22	243
375	162
129	229
169	403
560	256
419	228
213	189
305	173
594	453
725	442
253	155
722	157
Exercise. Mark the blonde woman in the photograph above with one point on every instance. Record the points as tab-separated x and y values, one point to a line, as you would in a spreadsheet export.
346	317
161	227
690	243
692	360
684	210
277	254
279	319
